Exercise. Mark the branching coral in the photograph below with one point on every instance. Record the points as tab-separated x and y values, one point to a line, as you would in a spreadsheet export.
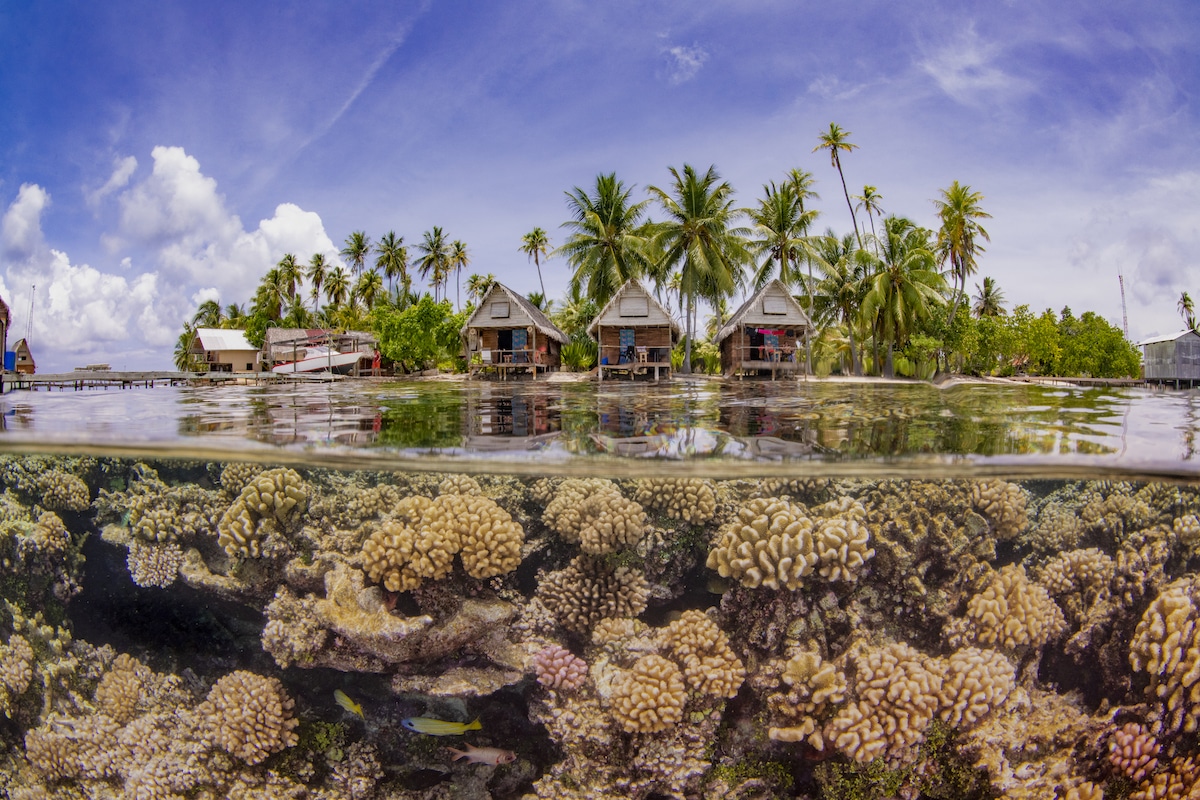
16	671
841	544
1013	613
709	665
459	484
650	696
897	697
814	686
593	512
248	716
1166	644
769	543
975	683
293	633
590	589
274	499
1133	751
558	668
154	565
120	690
1003	504
692	500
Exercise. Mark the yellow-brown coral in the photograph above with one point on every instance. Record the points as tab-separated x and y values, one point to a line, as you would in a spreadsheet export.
692	500
276	496
975	683
702	648
769	543
1166	644
1013	612
1003	504
248	716
650	696
588	590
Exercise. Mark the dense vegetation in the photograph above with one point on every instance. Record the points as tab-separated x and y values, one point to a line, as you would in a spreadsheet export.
891	297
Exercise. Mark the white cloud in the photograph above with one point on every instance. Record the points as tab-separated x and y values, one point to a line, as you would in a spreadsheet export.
122	172
684	62
964	68
178	213
20	229
78	311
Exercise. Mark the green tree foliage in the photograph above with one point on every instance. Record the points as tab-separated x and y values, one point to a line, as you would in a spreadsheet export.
421	336
1092	347
607	245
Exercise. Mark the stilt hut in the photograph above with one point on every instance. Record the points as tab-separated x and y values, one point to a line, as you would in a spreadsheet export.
766	335
635	333
1174	358
24	362
507	334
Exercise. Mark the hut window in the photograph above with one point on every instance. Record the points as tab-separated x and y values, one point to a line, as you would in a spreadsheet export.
500	309
774	305
635	307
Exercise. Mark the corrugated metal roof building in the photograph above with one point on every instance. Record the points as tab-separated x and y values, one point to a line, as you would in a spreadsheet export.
225	350
1172	358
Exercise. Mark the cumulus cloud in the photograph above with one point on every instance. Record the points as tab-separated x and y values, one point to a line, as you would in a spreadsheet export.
78	310
122	172
684	62
179	215
21	228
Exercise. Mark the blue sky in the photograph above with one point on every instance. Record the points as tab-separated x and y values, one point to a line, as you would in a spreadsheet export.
154	154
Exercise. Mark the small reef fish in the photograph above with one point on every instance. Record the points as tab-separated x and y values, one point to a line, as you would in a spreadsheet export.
345	702
483	755
439	727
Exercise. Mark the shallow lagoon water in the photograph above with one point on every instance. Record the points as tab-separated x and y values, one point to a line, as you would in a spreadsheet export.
692	590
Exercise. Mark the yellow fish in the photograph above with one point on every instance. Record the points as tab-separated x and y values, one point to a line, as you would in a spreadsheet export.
439	727
345	702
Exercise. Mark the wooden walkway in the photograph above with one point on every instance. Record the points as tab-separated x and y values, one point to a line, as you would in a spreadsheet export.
109	379
1052	381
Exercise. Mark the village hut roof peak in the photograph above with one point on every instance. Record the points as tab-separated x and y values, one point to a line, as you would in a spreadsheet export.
1166	337
223	339
744	309
632	285
540	320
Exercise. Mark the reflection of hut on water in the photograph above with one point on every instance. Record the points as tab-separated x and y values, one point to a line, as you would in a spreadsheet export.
635	333
509	334
766	335
510	421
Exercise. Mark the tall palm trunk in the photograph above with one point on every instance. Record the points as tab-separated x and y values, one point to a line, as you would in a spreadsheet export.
849	205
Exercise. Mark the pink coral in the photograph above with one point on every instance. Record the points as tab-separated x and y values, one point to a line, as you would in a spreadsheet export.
1133	751
558	668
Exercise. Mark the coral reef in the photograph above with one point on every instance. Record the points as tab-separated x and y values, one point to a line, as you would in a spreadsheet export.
769	543
692	500
590	589
649	697
558	668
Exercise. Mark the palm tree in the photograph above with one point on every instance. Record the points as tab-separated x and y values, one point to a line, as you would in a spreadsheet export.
368	287
268	297
1187	311
289	274
539	301
960	213
358	247
185	360
990	300
836	140
802	181
699	237
459	258
316	272
392	259
235	316
208	315
435	258
868	201
297	315
781	225
478	287
906	287
337	286
841	290
606	247
533	244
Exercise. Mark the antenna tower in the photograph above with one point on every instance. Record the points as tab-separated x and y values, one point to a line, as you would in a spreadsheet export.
29	319
1124	313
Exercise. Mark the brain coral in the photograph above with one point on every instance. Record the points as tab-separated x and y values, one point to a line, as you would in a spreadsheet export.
276	497
1003	504
248	716
589	589
1166	644
897	698
650	696
769	543
692	500
709	665
1014	613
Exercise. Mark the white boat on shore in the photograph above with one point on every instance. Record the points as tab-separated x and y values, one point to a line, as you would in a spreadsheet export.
319	359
